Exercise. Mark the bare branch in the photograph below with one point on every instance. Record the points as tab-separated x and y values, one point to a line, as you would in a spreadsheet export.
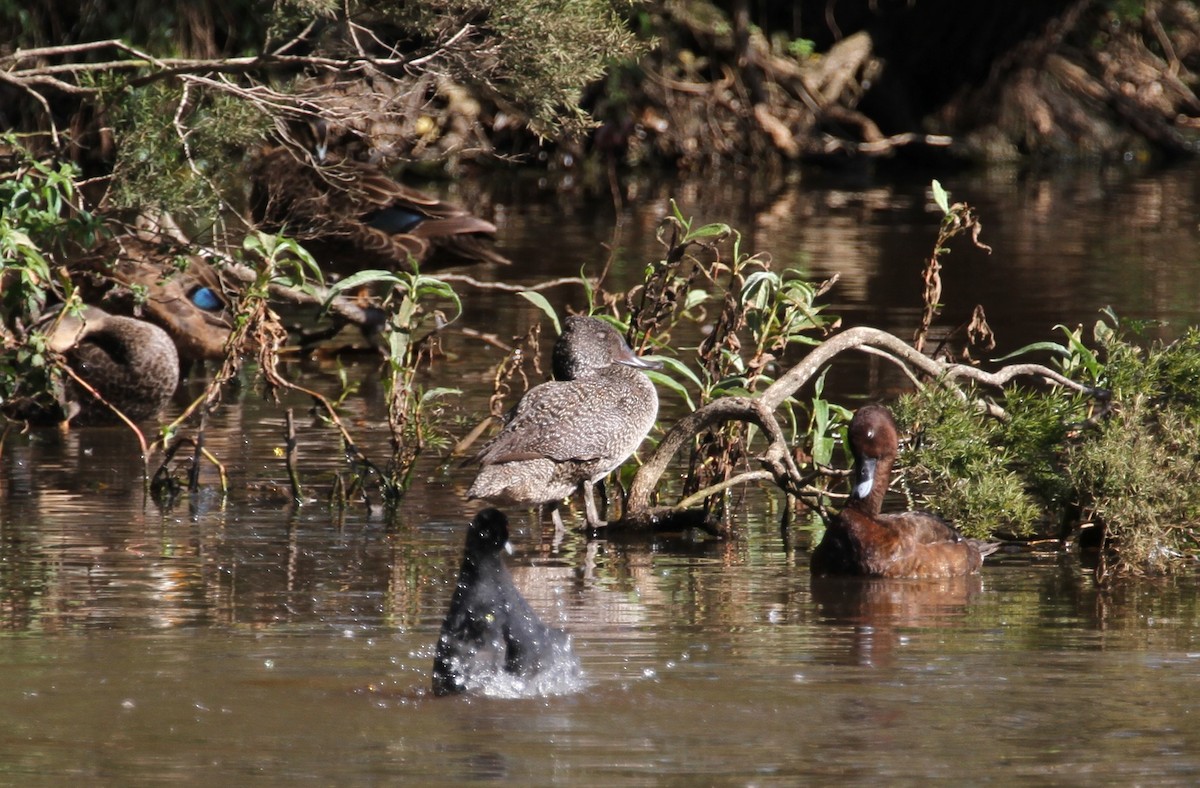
41	100
857	338
504	287
696	498
777	458
746	409
466	29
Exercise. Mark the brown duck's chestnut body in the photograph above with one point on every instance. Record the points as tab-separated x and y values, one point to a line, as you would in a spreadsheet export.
861	540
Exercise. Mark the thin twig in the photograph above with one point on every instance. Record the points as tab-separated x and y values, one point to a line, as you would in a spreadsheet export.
290	443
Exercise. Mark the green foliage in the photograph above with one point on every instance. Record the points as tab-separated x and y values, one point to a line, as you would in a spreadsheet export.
760	314
283	261
182	161
969	467
940	197
39	224
539	300
1136	473
801	48
1057	457
31	382
544	53
552	50
414	415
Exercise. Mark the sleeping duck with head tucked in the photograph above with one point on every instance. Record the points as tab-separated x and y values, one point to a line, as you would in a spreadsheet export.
130	363
150	310
861	540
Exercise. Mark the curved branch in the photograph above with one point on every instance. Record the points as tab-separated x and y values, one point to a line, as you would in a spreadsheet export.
745	409
504	287
760	410
698	497
862	336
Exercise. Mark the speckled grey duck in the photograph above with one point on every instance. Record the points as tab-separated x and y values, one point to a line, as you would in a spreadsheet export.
131	363
572	432
353	214
862	541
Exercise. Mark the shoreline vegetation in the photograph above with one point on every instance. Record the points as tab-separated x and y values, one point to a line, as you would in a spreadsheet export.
139	120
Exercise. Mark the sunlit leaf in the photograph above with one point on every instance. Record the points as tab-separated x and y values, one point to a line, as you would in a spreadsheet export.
714	230
442	391
1052	347
678	367
671	383
694	298
940	197
539	300
360	278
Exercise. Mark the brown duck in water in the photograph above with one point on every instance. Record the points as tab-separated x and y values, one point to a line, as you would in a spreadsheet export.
166	284
131	363
351	213
862	541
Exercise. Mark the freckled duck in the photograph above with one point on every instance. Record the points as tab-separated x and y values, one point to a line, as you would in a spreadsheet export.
353	214
131	363
490	627
862	541
575	431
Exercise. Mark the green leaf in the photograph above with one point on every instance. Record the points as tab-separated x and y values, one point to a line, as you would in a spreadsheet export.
678	367
425	286
715	230
940	197
1052	347
539	300
694	298
435	393
672	384
360	278
1084	354
760	286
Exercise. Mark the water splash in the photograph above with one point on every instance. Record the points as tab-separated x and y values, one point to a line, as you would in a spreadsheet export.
559	673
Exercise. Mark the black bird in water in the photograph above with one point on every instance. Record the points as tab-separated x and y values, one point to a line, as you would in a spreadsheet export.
490	627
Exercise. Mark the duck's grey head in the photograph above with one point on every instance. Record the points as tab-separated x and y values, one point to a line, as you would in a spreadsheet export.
588	345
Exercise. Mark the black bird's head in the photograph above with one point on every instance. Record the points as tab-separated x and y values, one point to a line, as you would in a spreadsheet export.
488	534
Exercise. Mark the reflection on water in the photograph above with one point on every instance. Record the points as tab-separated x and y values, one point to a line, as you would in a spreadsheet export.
248	636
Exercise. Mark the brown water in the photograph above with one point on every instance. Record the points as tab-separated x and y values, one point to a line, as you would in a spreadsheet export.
217	641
